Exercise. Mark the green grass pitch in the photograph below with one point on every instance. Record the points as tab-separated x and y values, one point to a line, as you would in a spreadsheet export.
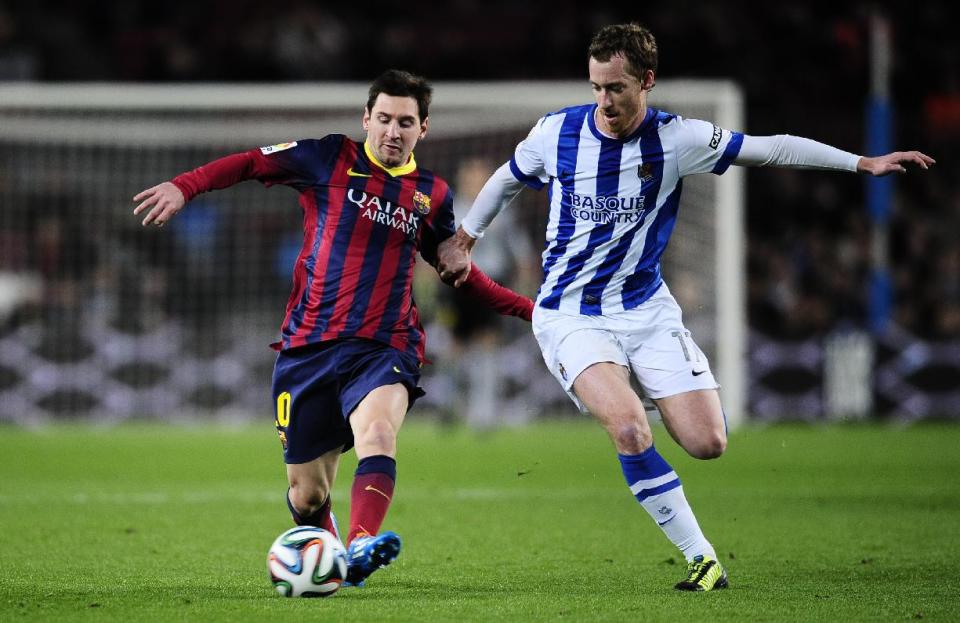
151	522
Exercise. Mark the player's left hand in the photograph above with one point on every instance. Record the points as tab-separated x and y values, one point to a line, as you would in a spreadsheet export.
893	163
164	201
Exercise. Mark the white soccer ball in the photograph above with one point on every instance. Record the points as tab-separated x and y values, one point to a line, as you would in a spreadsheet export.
307	562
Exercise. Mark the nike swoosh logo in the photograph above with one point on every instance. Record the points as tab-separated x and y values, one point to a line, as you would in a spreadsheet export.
695	373
353	173
397	370
375	490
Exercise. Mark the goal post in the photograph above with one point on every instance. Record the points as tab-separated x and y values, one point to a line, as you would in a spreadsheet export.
77	152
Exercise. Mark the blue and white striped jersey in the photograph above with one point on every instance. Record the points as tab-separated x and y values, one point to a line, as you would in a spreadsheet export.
613	202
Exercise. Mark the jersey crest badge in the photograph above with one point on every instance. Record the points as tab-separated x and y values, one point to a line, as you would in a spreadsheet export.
421	202
644	172
272	149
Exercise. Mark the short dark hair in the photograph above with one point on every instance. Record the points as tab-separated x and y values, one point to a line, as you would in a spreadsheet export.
400	83
635	42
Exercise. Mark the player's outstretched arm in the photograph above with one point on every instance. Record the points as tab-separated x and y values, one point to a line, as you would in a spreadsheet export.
796	152
163	202
893	163
499	298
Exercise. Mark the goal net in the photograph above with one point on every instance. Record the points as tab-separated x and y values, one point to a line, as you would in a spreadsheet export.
102	318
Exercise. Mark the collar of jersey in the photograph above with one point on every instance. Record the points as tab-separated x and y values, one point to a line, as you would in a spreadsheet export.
393	171
592	122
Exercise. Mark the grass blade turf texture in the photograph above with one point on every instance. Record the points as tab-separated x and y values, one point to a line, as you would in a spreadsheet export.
152	522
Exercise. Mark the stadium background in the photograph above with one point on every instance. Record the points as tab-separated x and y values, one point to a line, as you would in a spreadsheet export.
804	70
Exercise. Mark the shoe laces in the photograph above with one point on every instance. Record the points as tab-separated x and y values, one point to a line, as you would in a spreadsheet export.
696	566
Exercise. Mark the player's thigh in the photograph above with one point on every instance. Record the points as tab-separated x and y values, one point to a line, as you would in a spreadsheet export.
377	420
604	389
572	344
695	420
311	482
382	386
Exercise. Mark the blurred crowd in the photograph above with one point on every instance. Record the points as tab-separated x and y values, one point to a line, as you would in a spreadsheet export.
804	67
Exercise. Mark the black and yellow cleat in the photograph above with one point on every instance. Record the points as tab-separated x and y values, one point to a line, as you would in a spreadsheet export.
703	574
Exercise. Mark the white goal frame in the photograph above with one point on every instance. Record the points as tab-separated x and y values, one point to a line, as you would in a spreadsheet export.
479	106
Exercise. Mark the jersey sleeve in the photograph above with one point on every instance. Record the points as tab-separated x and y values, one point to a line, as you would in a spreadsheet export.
496	194
300	164
438	228
794	152
500	299
527	164
703	147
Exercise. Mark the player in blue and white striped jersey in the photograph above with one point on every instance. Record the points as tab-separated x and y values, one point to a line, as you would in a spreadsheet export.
614	172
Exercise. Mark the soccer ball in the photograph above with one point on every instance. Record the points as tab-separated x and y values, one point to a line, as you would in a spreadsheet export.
307	562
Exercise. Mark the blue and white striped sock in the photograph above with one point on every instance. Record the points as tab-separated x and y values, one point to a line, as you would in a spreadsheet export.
657	487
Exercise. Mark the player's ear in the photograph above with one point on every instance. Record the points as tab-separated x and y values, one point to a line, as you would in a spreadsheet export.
366	119
424	125
649	79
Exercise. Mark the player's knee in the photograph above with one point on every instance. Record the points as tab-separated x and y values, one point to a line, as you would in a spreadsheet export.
629	436
307	499
709	446
379	436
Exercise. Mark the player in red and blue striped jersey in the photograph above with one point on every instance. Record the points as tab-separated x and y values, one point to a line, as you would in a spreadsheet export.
351	342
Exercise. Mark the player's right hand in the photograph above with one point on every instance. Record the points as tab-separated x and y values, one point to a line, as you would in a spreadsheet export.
163	200
453	258
893	163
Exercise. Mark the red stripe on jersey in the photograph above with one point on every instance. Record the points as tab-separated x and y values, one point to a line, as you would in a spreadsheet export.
353	264
396	247
308	202
335	200
401	340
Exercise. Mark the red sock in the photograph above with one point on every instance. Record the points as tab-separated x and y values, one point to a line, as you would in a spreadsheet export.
327	522
371	495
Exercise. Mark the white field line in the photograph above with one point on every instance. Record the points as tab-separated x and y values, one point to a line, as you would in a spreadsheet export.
162	498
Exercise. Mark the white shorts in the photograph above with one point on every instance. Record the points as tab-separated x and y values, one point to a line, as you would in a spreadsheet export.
650	340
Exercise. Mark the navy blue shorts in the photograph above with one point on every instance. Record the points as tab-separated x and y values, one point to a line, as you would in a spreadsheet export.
317	387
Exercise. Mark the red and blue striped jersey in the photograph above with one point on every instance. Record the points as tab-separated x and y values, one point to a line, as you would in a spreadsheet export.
362	228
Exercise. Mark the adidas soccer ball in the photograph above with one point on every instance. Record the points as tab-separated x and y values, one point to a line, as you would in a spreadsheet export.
307	562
